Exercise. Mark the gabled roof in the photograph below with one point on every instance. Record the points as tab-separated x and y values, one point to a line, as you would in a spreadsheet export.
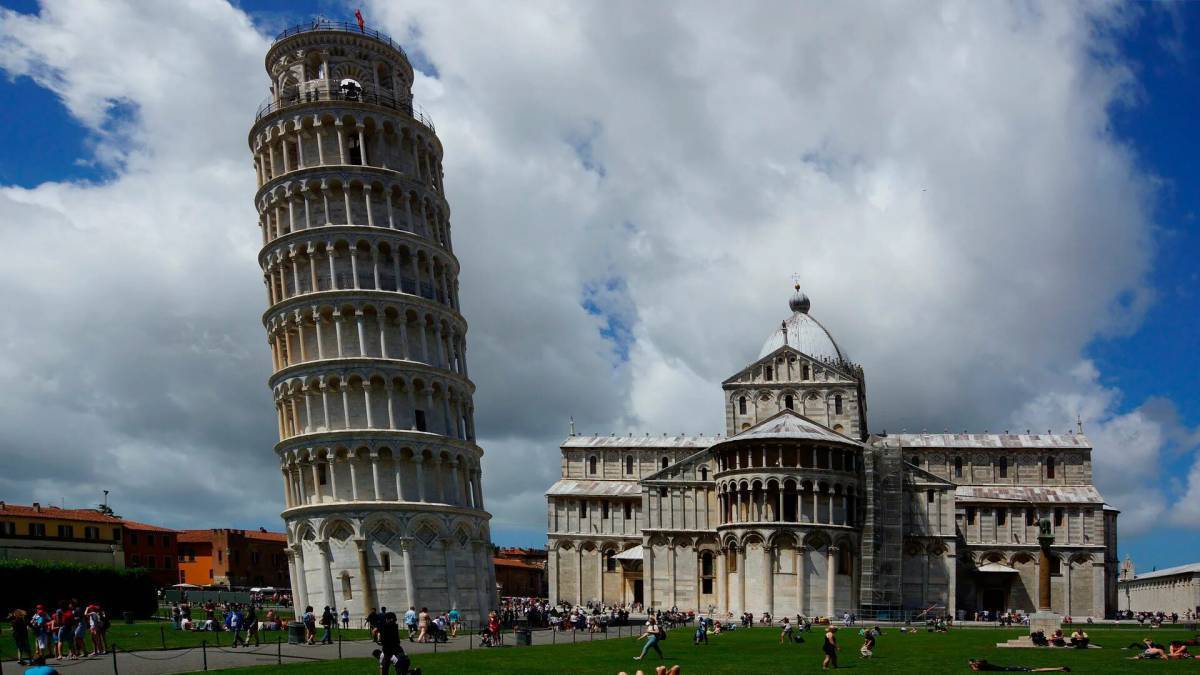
926	476
1067	494
789	424
594	488
1192	568
985	440
684	464
647	441
788	349
144	527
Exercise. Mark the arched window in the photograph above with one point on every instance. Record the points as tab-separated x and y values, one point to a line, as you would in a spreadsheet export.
768	373
1004	467
592	465
322	473
788	403
837	404
958	467
347	594
844	561
741	405
706	573
915	461
610	560
1049	467
804	372
704	473
628	465
664	462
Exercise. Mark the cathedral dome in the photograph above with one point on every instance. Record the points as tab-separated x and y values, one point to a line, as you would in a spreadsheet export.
804	333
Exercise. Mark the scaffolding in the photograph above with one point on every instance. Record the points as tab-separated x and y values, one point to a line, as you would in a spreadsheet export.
883	531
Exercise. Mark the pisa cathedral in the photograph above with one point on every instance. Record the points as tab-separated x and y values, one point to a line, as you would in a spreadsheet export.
380	469
798	508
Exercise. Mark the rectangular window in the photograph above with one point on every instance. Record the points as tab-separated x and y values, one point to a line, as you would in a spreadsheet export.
1055	566
767	373
37	529
628	510
604	510
92	533
168	562
420	419
133	538
1001	516
149	562
929	496
322	474
66	532
8	529
116	534
583	508
1030	517
254	557
1058	517
706	586
837	404
742	405
210	574
386	561
1004	467
236	557
220	555
970	515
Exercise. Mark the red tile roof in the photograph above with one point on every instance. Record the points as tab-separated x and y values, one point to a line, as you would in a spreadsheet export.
267	536
135	525
193	536
55	513
506	562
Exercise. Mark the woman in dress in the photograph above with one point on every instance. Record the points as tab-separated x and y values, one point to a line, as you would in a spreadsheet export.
423	625
830	648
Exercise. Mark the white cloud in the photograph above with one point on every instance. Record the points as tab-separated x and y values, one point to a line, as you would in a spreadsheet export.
943	178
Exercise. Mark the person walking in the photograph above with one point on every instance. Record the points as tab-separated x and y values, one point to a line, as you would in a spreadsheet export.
410	621
233	621
423	625
390	652
310	625
652	635
345	618
251	625
327	622
830	648
19	623
454	617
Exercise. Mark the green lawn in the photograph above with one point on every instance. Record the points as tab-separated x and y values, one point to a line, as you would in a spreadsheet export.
758	651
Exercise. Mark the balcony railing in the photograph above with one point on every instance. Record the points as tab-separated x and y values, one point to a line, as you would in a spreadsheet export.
341	26
326	90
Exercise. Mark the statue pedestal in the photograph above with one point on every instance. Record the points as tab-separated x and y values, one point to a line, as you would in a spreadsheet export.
1046	622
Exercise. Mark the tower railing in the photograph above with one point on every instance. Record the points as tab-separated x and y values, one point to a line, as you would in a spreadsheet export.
340	26
315	91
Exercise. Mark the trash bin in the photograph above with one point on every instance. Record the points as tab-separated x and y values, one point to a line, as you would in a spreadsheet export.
295	633
524	637
128	617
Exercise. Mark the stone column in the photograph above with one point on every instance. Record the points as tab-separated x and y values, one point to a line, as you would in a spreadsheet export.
552	573
409	583
722	582
578	574
648	572
364	573
600	574
451	573
741	572
326	572
768	579
831	574
296	555
374	457
801	575
671	581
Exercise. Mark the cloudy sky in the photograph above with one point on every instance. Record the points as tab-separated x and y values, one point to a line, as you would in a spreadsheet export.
990	204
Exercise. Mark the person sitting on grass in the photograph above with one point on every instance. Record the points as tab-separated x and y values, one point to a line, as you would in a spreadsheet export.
1150	653
1079	639
982	665
1178	650
1058	640
868	645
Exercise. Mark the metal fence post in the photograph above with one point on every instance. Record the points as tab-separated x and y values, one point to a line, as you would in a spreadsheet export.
339	645
279	650
162	635
114	653
204	651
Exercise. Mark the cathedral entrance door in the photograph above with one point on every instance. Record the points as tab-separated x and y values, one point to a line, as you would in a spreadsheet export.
637	591
993	600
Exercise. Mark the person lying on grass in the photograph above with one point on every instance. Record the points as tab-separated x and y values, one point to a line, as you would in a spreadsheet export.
983	665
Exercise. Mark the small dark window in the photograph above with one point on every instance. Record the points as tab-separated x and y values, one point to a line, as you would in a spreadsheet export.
837	404
768	372
610	561
583	508
970	515
322	474
664	462
788	402
133	538
592	465
704	473
628	511
385	561
929	496
66	532
804	372
958	467
662	492
742	405
604	510
1030	517
1055	566
1001	517
37	529
915	461
1058	517
628	465
1004	467
420	419
1049	467
136	561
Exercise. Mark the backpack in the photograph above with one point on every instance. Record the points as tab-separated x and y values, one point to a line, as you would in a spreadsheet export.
662	633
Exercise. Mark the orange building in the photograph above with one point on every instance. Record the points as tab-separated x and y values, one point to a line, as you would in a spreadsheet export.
39	532
233	558
154	549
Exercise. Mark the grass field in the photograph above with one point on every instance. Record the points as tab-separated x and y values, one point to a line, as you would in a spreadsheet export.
758	651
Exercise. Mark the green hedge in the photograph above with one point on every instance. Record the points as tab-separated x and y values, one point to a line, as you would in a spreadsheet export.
28	583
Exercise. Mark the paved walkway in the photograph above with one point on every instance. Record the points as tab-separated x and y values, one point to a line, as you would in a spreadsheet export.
189	660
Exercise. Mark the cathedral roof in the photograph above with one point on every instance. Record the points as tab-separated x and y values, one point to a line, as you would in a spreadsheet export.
788	424
984	440
1067	494
664	441
804	333
594	488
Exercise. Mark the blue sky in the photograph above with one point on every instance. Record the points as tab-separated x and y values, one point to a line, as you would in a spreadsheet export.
1153	364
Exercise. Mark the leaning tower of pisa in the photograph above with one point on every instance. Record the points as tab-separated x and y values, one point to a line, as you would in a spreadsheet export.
377	448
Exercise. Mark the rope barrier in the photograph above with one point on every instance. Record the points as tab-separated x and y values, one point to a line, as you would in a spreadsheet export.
151	658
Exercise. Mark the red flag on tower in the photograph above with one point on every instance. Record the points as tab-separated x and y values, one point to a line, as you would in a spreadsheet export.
358	17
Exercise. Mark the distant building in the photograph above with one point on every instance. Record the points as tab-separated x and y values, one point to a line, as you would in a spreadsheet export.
39	532
521	572
1174	589
153	548
233	558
